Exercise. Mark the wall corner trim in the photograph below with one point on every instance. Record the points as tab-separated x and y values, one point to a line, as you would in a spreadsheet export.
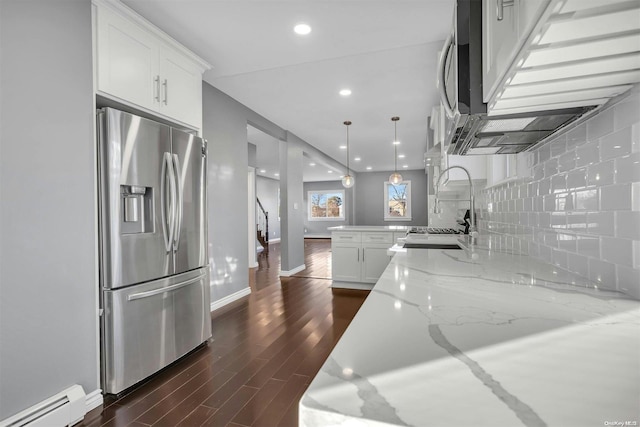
93	400
287	273
230	298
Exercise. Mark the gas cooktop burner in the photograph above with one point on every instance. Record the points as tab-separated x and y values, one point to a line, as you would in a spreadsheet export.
433	230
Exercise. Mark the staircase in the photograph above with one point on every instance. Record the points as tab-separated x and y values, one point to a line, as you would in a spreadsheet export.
262	226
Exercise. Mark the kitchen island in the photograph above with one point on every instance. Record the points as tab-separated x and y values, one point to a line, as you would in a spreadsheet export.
481	336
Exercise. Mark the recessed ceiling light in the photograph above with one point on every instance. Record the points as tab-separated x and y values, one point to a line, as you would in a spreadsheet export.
345	92
405	166
329	171
276	174
262	170
401	156
369	168
302	29
396	142
312	164
343	147
357	159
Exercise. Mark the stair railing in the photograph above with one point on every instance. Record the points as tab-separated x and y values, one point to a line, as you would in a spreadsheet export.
263	222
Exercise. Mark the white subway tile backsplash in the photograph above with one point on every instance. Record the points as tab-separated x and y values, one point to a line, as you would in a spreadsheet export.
601	173
616	145
577	222
628	279
559	146
599	125
603	273
628	225
615	197
559	258
586	200
588	245
617	250
627	113
578	264
544	187
577	202
601	223
577	179
587	154
544	153
558	183
567	161
551	167
577	136
628	169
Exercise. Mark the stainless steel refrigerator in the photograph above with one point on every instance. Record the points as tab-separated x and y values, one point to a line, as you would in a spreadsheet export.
154	280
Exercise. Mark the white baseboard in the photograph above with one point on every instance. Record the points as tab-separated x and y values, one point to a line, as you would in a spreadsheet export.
287	273
352	285
230	298
93	399
317	236
276	240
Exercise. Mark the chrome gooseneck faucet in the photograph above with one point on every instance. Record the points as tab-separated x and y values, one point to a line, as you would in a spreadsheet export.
473	232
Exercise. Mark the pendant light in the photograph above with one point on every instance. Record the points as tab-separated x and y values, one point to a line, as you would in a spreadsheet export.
348	180
395	178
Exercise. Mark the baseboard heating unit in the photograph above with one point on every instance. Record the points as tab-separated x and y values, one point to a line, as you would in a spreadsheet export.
64	409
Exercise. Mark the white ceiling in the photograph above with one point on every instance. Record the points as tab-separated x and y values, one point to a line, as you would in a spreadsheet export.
384	51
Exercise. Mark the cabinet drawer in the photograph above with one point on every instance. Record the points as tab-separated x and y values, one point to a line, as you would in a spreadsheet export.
345	236
377	237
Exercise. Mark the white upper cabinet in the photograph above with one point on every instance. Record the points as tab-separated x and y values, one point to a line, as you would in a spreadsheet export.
180	86
139	65
554	54
505	24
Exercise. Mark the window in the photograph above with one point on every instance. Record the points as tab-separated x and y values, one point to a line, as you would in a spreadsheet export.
326	205
397	201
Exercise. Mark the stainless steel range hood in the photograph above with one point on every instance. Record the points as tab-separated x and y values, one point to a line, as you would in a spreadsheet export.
482	134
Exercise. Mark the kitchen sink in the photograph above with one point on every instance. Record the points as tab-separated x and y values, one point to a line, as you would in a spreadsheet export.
434	245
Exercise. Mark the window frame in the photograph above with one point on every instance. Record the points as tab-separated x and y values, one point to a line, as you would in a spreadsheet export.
325	218
407	216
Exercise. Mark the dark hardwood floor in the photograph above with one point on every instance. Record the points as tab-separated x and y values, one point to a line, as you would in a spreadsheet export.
266	349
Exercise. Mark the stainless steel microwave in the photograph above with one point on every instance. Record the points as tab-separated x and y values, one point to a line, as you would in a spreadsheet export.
469	129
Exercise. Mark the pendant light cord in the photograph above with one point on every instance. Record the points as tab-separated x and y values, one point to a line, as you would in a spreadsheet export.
348	171
395	146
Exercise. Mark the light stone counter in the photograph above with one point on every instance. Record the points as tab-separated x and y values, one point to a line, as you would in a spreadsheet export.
481	338
397	228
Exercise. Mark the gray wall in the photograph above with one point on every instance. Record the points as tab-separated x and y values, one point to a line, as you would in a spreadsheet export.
267	192
48	289
369	193
292	204
319	228
225	128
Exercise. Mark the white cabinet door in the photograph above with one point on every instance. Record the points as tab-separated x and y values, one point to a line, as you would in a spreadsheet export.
345	262
127	61
374	261
499	40
181	88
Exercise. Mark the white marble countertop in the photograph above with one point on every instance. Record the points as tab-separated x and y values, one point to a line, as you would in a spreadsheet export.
398	228
481	338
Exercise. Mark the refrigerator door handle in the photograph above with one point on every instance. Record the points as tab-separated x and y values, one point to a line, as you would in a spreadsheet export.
167	172
179	207
158	291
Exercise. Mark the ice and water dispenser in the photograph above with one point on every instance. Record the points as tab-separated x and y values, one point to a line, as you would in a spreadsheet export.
137	209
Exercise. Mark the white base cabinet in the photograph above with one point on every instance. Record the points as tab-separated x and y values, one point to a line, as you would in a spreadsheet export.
359	256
